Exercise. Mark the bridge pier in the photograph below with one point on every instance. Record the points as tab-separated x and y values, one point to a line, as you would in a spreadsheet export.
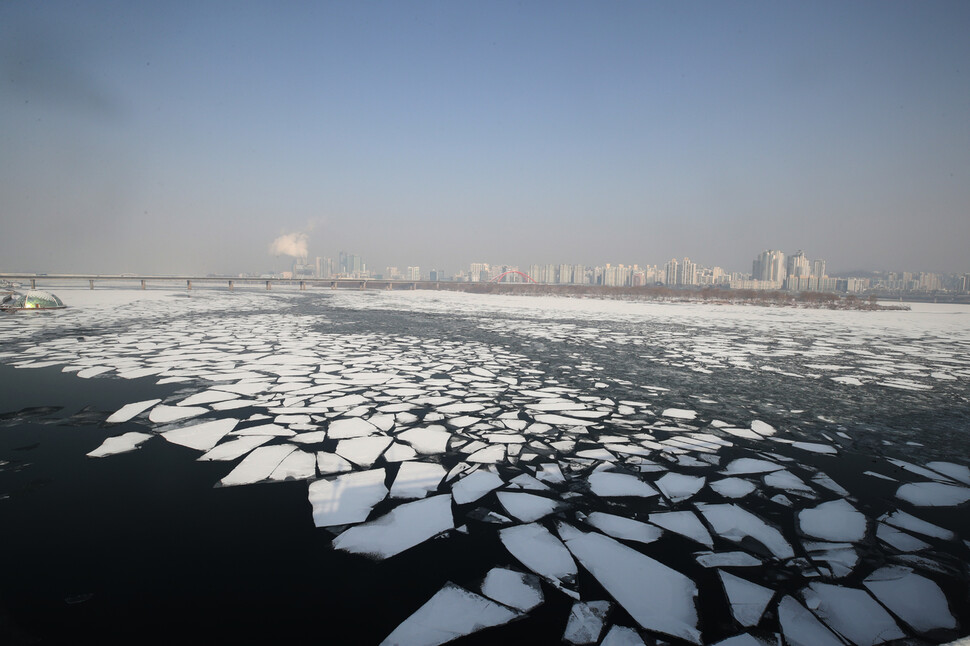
143	283
268	286
230	286
33	283
188	285
91	284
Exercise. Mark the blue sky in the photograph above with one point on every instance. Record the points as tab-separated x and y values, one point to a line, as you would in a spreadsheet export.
182	137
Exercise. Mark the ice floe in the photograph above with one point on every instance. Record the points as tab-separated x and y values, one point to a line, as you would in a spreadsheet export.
609	484
748	600
537	549
129	411
527	507
915	599
933	494
836	520
737	524
120	444
585	623
400	529
852	613
656	596
801	628
513	589
202	436
451	613
417	479
347	498
685	523
624	528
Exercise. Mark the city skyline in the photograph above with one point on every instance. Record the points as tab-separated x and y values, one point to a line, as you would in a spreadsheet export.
186	138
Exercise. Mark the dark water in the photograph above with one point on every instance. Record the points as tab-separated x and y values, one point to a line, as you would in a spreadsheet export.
141	548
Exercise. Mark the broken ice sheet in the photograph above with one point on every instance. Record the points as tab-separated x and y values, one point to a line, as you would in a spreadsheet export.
527	507
258	465
656	596
836	520
625	528
162	414
129	411
911	523
678	486
622	636
685	523
585	623
362	451
417	479
732	487
298	465
235	448
474	486
609	484
735	524
852	613
120	444
933	494
801	628
451	613
537	549
514	589
346	499
744	466
748	600
400	529
916	600
726	559
201	437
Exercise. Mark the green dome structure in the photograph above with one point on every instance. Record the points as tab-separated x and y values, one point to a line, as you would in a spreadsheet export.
34	300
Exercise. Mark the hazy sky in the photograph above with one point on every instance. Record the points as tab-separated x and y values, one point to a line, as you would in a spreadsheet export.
185	137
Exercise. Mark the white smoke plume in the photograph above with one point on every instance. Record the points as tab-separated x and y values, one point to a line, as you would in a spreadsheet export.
290	244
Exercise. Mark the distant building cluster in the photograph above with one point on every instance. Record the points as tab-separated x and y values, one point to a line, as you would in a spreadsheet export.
770	270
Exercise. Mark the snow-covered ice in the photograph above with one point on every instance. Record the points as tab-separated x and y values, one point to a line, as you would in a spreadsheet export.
836	520
400	529
120	444
656	596
347	498
451	613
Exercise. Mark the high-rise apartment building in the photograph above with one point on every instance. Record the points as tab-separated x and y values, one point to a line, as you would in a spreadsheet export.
769	266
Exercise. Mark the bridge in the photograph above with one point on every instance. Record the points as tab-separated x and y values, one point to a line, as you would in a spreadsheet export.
231	282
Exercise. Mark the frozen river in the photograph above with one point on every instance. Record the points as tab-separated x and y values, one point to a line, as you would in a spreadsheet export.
417	467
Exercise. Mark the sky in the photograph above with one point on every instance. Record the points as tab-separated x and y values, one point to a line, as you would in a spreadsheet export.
185	137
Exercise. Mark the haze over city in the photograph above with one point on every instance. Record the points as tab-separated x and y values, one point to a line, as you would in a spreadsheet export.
187	139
